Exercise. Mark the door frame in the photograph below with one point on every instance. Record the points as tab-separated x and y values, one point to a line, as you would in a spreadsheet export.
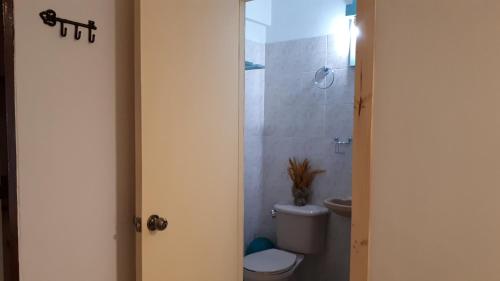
362	145
9	200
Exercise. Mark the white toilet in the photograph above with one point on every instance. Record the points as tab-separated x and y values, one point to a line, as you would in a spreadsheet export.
300	231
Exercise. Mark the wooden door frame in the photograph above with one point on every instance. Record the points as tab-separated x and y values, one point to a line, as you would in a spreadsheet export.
241	142
9	200
362	146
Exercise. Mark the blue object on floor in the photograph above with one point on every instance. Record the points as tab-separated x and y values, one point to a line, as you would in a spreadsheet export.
258	245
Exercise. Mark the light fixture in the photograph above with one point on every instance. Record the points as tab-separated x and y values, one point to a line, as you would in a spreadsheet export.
354	34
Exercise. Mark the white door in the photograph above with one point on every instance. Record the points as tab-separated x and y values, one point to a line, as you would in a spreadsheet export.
189	61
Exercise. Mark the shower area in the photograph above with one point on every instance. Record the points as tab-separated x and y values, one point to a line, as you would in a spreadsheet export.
299	100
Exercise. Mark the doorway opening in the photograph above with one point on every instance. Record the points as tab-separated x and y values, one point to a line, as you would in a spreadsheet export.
8	181
299	115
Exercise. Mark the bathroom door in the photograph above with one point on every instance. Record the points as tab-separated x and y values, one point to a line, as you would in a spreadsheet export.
189	108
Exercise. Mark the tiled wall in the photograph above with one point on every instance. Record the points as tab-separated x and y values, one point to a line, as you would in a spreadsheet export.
254	125
300	120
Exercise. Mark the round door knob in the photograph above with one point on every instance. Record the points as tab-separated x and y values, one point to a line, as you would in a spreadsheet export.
156	222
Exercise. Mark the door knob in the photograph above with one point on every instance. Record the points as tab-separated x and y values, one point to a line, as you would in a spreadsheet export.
156	222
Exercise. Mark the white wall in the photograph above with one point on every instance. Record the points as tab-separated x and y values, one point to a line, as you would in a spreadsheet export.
258	18
297	19
270	21
74	106
435	212
255	32
259	11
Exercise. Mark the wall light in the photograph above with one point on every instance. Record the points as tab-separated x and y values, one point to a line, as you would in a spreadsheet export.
354	34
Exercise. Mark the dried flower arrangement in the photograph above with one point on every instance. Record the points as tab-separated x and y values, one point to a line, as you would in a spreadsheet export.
302	176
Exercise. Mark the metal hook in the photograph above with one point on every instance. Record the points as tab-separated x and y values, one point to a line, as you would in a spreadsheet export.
91	36
64	30
78	33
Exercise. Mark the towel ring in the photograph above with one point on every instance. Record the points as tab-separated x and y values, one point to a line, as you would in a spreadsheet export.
324	78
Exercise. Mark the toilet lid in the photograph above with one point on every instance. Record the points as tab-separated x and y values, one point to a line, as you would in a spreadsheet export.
270	261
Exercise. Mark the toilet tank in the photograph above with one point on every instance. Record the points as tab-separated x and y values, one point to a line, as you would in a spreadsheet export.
301	229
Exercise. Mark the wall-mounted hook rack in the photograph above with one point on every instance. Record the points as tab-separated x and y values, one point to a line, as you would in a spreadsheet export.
339	142
49	17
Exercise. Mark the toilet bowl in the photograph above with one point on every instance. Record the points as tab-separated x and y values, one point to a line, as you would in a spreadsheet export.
271	265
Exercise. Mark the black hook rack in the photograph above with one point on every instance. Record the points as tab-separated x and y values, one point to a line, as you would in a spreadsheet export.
49	17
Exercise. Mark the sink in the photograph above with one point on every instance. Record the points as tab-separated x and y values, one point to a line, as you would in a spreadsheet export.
339	206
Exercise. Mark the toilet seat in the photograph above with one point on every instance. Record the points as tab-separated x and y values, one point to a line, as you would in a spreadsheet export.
271	261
